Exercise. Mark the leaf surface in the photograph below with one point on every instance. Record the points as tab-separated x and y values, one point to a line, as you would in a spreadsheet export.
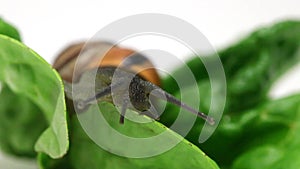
35	99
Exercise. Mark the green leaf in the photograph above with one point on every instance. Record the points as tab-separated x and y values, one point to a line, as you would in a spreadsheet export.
84	152
274	50
19	129
251	67
34	95
9	30
270	137
54	141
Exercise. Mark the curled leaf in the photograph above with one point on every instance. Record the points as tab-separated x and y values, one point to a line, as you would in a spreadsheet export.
35	99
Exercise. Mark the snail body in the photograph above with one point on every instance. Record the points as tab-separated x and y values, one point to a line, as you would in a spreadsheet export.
105	72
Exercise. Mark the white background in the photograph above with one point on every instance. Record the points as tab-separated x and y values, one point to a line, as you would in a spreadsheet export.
47	27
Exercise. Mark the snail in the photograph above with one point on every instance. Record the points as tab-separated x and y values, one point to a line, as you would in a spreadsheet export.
122	76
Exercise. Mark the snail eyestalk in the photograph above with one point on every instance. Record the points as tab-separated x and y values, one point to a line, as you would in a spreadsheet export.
83	104
159	93
123	110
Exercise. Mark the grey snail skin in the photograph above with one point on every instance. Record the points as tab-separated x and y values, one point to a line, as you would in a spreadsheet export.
121	76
